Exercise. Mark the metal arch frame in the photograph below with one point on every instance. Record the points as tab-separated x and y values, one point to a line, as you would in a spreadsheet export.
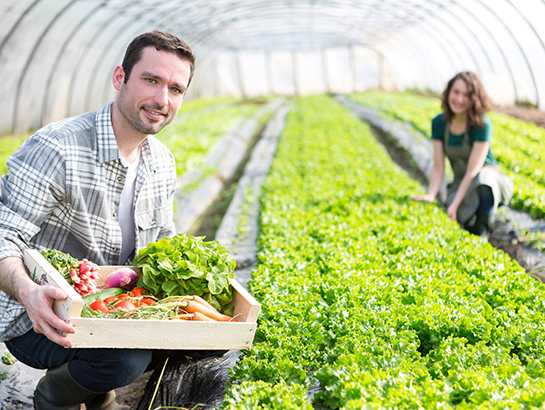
476	62
538	38
238	69
31	57
61	53
418	51
202	34
88	46
231	13
466	11
16	25
517	43
389	45
117	34
529	23
205	33
143	26
441	38
469	31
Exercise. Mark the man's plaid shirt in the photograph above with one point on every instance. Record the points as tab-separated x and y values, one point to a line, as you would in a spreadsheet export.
63	191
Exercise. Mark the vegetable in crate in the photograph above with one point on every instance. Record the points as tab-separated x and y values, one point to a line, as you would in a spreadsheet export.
121	278
80	275
186	265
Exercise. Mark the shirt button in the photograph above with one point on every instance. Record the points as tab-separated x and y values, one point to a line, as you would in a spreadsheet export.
115	214
153	222
120	179
114	249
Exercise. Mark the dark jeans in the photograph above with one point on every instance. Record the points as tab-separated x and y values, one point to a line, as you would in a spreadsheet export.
486	200
98	370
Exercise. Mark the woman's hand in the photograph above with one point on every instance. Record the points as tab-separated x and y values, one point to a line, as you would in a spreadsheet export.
437	173
424	198
452	211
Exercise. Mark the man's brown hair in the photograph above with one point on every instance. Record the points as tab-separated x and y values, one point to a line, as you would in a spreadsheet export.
479	101
161	40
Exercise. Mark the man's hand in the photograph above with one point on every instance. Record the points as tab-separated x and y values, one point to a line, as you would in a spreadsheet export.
36	299
38	303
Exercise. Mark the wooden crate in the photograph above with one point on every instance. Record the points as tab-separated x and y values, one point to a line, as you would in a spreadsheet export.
146	334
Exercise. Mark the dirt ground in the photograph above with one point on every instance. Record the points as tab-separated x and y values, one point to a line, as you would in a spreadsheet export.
131	394
524	113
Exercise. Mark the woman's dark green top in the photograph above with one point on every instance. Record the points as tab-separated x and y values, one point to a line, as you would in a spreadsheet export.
482	133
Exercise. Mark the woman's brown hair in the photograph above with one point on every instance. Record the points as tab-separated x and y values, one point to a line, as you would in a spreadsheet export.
479	101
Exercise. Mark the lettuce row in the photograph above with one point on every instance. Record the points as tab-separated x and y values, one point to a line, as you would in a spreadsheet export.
379	301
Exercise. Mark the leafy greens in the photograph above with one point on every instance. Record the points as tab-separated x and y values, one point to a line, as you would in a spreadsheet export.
186	265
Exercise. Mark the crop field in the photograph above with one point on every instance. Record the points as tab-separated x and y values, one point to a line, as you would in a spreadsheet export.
518	146
372	301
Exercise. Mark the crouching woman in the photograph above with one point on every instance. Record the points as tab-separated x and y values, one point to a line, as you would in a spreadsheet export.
463	133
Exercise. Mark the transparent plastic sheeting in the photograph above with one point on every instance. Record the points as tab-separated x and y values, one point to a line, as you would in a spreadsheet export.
57	56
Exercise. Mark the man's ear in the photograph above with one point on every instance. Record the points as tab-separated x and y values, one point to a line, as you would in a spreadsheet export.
118	77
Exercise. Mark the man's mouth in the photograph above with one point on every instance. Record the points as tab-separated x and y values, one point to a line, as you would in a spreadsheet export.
154	113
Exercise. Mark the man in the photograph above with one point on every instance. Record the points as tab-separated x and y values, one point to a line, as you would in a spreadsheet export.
96	186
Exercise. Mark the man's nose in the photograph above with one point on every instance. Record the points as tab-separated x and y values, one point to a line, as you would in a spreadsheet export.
161	96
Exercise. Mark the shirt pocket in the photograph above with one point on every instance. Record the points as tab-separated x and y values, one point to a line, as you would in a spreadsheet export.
150	222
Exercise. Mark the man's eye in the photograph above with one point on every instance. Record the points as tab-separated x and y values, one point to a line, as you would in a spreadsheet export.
151	80
176	90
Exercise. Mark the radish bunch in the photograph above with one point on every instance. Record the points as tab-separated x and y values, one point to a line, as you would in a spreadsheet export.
80	275
84	280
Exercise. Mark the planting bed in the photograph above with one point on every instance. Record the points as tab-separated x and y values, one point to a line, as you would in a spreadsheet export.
379	301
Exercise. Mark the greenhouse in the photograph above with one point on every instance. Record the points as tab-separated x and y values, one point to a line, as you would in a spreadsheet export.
319	206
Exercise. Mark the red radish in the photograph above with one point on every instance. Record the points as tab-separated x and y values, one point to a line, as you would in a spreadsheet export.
82	286
84	268
121	278
74	276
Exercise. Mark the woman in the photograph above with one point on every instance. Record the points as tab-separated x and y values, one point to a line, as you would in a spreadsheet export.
463	132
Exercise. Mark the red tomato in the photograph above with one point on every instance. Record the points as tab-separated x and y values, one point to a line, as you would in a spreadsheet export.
146	302
125	305
138	291
100	305
110	300
123	296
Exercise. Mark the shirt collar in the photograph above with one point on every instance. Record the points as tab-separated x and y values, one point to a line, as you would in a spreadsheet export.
107	145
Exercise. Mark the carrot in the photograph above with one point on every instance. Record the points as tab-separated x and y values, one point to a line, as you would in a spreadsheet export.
197	298
201	317
193	307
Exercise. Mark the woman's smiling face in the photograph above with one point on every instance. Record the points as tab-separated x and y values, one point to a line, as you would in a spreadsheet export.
458	97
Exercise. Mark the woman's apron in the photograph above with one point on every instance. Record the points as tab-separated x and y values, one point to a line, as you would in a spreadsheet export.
489	175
